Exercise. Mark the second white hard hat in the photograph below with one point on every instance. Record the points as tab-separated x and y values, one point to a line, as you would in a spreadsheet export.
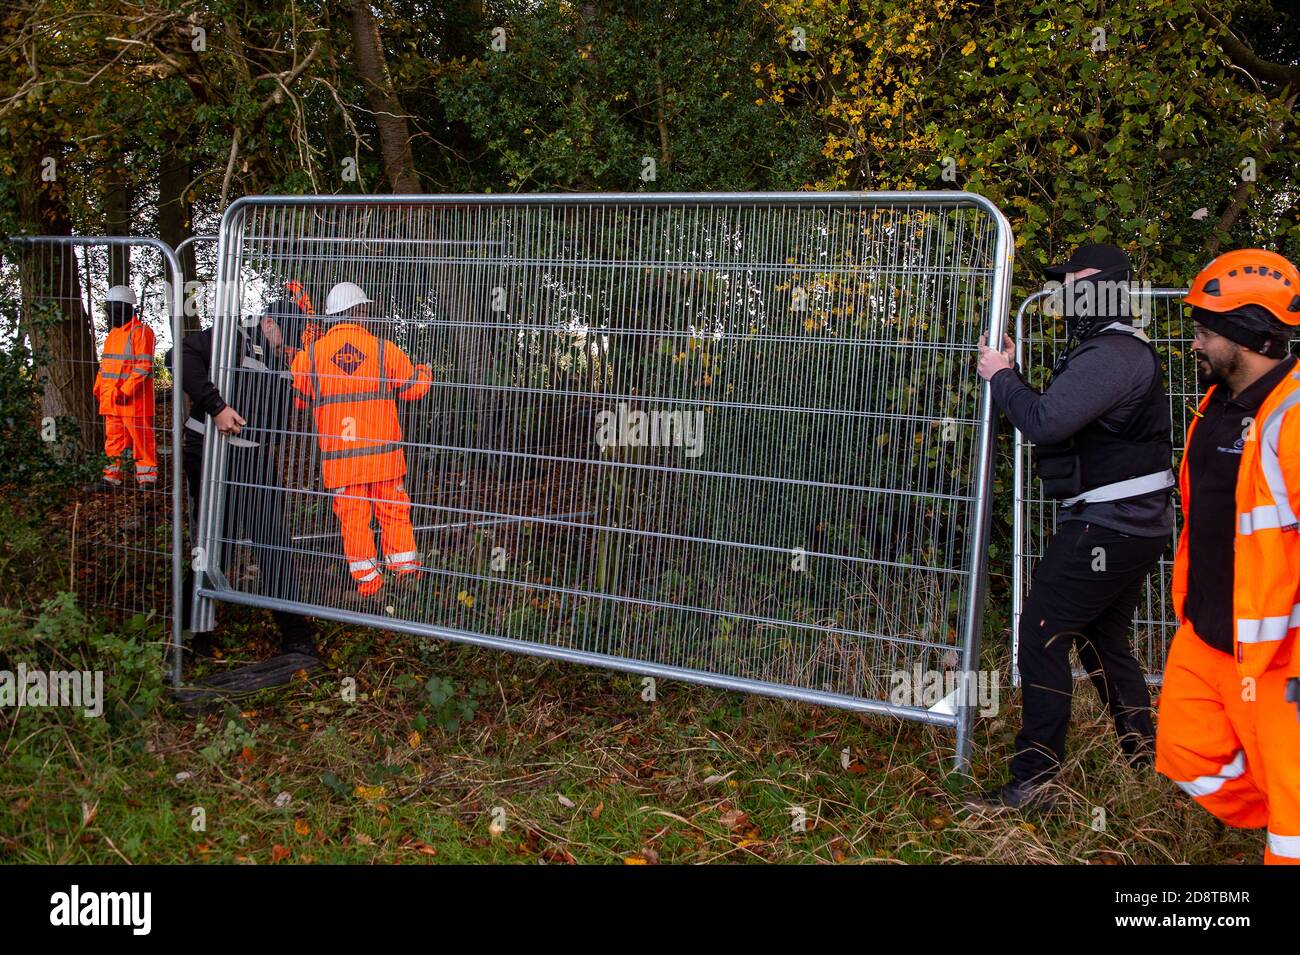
344	296
121	293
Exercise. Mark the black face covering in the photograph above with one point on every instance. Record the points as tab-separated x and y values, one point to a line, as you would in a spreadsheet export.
1093	302
119	313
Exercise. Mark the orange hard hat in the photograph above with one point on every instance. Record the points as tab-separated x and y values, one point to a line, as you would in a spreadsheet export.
1249	277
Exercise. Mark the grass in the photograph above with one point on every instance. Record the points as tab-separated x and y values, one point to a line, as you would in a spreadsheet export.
555	764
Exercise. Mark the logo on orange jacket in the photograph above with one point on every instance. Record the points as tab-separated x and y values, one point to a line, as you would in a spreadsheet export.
348	358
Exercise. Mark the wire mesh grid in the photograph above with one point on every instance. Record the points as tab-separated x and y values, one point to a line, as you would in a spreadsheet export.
732	441
1040	338
105	411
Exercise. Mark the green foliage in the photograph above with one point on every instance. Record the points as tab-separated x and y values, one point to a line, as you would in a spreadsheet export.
63	638
43	456
231	738
579	103
449	705
1085	121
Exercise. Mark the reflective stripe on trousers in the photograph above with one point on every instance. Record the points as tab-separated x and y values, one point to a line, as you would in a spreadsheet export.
1286	846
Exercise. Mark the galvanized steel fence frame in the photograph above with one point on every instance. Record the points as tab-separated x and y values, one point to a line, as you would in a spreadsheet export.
995	270
1034	519
171	266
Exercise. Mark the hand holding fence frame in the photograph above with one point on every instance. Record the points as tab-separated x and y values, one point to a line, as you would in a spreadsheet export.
735	439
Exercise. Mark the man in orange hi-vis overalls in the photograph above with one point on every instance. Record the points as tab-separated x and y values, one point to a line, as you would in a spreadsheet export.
124	389
350	378
1229	729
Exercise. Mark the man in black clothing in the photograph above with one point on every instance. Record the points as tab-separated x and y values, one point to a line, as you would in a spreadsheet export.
1104	450
262	390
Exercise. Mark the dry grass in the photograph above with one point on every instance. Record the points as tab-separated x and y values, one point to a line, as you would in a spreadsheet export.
562	764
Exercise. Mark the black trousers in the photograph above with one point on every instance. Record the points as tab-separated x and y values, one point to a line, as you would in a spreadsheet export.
1084	592
257	511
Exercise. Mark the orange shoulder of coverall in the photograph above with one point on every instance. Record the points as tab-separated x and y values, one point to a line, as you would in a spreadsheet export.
126	371
350	378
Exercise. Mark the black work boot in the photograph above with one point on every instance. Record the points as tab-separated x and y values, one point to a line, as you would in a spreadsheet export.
1137	738
296	634
1016	794
202	646
1139	750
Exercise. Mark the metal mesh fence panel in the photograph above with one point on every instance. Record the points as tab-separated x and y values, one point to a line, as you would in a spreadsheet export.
734	439
1040	338
102	398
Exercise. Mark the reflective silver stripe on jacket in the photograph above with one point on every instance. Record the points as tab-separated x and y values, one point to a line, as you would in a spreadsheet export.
1133	487
194	424
1267	629
361	452
355	396
1279	514
1209	785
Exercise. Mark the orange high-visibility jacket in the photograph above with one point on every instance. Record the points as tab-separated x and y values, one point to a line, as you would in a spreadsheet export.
349	379
1266	552
126	369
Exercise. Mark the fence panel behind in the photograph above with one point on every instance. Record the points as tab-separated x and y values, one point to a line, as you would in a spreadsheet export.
1040	337
103	413
734	439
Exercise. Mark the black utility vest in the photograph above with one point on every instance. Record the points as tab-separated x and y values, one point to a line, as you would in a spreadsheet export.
1096	456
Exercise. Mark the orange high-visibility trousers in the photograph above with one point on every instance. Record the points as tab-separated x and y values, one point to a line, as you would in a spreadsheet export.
389	502
1232	745
134	432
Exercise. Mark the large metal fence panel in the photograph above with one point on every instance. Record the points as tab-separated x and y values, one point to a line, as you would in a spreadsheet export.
123	538
1040	338
802	510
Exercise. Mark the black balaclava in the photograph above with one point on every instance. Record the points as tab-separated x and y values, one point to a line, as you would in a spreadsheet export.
119	313
291	319
1093	302
1253	326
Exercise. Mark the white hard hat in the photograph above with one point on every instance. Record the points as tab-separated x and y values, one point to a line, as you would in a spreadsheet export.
121	293
344	296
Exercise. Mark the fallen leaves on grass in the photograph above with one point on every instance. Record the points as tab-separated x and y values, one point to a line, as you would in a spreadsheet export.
417	845
733	819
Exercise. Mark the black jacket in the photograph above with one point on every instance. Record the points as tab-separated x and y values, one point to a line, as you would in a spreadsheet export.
262	389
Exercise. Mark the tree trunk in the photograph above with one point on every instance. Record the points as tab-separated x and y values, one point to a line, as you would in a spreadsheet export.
117	220
394	133
175	219
54	317
464	20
